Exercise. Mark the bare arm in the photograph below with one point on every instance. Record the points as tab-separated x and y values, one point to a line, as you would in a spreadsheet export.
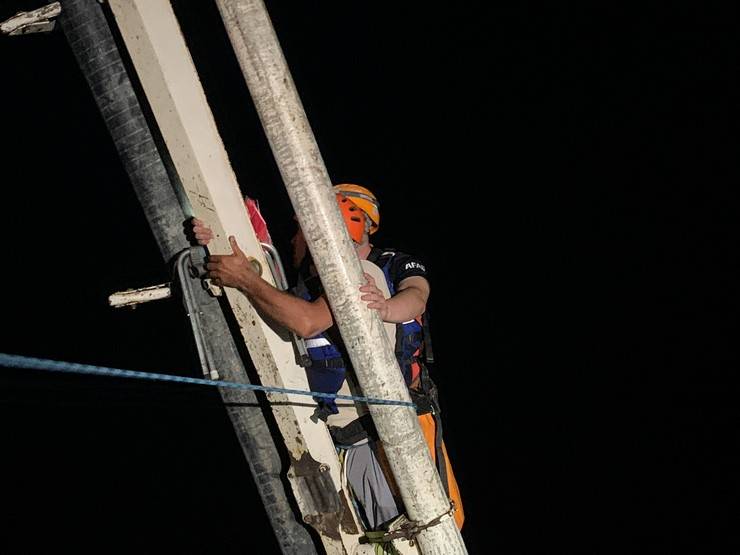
304	318
409	301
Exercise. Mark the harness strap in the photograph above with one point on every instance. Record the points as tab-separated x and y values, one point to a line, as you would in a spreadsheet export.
441	459
357	430
428	353
424	403
328	363
427	402
317	342
321	412
411	337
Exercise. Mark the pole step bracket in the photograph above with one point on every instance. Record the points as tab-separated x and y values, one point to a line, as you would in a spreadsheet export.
40	20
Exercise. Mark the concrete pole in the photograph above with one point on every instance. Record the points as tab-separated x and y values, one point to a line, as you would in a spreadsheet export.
302	168
90	38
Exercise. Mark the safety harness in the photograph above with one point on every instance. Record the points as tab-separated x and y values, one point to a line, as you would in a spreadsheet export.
328	368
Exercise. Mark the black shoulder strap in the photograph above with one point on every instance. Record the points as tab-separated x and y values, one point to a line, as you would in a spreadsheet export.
428	353
376	254
441	460
427	401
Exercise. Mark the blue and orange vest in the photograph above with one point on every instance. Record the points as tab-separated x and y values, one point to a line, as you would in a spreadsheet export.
328	367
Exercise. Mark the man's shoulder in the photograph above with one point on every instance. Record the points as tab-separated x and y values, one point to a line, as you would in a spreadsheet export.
388	253
399	264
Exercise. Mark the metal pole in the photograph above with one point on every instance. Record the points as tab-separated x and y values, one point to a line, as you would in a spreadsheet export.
302	168
89	36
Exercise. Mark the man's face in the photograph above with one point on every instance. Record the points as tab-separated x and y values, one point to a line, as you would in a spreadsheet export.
300	247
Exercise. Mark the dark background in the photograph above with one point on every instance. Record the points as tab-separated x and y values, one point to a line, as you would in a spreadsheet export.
564	173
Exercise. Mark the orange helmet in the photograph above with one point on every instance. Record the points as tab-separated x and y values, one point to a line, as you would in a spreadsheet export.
353	217
363	199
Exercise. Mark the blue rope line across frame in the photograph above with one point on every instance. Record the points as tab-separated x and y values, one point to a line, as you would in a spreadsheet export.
17	361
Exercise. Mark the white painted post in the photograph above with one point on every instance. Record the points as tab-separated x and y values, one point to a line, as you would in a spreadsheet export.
164	66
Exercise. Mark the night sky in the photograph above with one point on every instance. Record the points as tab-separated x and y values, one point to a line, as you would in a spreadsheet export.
564	174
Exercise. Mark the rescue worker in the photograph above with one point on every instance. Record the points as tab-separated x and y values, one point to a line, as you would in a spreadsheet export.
307	313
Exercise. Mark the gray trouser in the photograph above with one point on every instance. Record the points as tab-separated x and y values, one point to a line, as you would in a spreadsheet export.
369	485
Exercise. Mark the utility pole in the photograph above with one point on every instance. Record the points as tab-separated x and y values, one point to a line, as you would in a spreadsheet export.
304	174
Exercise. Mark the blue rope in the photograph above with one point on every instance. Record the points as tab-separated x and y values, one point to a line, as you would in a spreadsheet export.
17	361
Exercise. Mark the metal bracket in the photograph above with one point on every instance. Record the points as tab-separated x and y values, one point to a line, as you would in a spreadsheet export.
281	281
40	20
186	268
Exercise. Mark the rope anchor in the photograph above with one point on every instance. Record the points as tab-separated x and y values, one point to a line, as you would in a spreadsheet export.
408	530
